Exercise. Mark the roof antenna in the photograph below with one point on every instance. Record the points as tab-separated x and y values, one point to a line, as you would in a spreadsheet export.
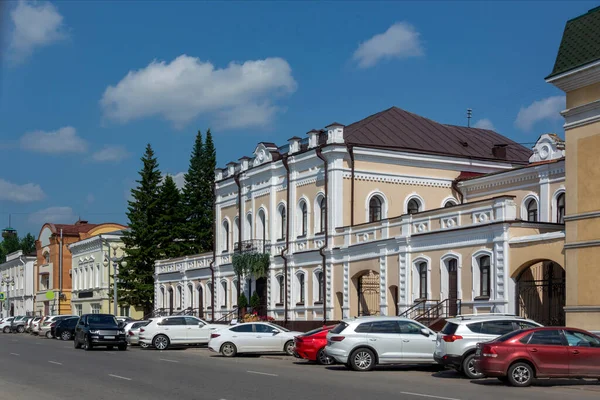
469	115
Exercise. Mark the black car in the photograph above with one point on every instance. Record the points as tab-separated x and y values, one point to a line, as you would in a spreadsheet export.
93	330
55	323
65	328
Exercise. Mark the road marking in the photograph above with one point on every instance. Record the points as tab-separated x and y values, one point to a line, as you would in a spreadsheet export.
14	354
54	362
110	352
428	395
119	377
261	373
164	359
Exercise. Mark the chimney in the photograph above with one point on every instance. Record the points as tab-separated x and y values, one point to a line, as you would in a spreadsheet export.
244	163
335	133
294	144
218	174
313	138
499	151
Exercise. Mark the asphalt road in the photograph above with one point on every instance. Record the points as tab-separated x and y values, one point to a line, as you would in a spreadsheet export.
48	369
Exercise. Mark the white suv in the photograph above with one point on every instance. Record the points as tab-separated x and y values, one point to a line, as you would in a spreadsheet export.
5	324
163	332
364	342
457	342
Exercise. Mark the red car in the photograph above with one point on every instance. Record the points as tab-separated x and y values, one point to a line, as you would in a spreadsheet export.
552	352
310	346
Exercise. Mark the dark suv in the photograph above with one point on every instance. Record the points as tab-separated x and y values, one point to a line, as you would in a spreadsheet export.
93	330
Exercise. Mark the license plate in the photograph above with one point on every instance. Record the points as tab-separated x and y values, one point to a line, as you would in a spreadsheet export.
109	337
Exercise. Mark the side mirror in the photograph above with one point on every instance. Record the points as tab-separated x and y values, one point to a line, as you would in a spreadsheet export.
425	332
275	331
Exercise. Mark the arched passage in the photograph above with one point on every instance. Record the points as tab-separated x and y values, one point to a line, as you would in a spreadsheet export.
540	292
367	286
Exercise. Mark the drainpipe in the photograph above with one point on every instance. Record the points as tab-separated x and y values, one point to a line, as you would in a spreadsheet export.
321	250
287	242
351	152
212	263
236	178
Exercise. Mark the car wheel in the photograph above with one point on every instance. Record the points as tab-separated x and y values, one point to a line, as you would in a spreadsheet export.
161	342
66	335
76	344
520	374
468	367
21	329
289	348
228	349
122	347
6	329
87	346
323	358
143	345
362	360
48	335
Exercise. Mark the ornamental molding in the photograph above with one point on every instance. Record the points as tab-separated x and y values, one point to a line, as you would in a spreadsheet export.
398	179
531	177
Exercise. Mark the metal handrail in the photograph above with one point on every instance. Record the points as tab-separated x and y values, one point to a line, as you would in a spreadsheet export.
229	316
407	313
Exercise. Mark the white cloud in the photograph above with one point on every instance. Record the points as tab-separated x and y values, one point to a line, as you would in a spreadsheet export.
111	153
55	215
35	24
484	124
20	193
545	109
401	40
179	179
187	87
63	140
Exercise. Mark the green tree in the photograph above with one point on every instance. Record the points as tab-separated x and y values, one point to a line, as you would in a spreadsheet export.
171	220
136	280
11	244
27	244
193	200
209	163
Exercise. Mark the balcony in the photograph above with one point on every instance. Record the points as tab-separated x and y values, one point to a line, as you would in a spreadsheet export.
251	246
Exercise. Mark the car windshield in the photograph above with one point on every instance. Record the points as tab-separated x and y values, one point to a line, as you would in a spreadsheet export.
340	328
279	327
102	319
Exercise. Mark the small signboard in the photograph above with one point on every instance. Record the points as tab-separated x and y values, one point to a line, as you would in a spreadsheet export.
2	296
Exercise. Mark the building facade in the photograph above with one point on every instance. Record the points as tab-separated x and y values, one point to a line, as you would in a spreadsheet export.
392	214
93	275
17	279
53	273
577	72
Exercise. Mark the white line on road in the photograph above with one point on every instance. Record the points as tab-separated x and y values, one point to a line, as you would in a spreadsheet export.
14	354
428	395
261	373
164	359
119	377
54	362
109	352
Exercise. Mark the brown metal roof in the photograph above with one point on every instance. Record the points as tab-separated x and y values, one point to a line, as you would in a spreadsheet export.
402	130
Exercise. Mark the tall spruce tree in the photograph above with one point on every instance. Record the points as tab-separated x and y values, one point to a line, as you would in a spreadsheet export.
171	220
193	199
209	163
136	280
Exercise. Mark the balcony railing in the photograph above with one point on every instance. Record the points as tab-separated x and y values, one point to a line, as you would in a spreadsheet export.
251	246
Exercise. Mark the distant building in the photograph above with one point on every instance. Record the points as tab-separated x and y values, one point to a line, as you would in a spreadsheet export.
17	278
53	272
577	72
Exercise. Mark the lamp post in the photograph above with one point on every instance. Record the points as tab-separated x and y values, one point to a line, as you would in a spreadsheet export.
6	281
115	263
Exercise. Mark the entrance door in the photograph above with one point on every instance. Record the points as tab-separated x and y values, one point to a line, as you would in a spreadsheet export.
200	302
541	293
261	289
452	287
171	301
368	294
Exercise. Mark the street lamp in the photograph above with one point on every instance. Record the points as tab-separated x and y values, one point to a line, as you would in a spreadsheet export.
6	281
115	262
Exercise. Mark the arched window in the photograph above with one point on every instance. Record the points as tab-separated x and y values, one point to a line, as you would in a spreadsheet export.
46	257
282	222
449	203
281	286
224	297
375	209
560	208
234	293
301	289
532	210
413	206
236	231
323	214
262	225
422	280
319	289
303	219
209	295
484	276
225	243
249	233
179	298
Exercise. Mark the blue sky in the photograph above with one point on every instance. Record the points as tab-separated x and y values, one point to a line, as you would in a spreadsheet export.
85	85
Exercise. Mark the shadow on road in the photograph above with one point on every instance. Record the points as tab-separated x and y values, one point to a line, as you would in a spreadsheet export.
544	382
422	368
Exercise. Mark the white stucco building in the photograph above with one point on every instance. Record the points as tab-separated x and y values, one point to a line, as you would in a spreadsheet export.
17	280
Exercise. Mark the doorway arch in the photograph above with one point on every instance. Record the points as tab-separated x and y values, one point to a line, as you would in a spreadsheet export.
540	292
368	292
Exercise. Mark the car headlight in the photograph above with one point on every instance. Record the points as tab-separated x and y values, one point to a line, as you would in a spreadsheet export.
95	332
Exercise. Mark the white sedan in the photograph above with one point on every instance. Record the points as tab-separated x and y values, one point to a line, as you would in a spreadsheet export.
253	337
163	332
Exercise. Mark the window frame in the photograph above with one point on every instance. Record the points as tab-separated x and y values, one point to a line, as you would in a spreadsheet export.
301	277
416	201
323	215
225	240
560	208
303	219
283	222
532	213
488	281
422	268
375	209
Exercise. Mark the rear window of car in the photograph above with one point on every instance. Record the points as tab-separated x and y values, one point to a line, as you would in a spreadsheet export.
507	336
340	328
310	333
449	329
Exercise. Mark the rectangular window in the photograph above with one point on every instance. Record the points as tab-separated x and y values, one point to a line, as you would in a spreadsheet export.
484	276
281	289
301	288
423	280
95	308
124	311
320	286
78	309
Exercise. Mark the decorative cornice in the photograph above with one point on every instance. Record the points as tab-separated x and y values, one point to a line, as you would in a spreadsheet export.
577	78
538	238
587	215
398	179
582	115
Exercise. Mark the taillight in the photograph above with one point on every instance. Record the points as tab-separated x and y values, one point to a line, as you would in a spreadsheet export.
142	330
53	325
489	351
214	335
451	338
299	339
337	338
130	333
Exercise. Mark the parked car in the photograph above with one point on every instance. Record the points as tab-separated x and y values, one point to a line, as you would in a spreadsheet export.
47	324
253	337
5	324
124	320
311	345
364	342
29	324
35	325
521	356
163	332
18	324
65	328
132	330
457	341
93	330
